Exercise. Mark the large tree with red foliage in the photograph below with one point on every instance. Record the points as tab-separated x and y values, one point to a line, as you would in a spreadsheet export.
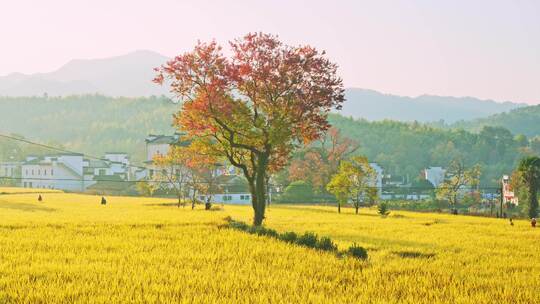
255	106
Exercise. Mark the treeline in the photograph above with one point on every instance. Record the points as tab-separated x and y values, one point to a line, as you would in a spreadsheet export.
92	124
523	120
96	124
405	149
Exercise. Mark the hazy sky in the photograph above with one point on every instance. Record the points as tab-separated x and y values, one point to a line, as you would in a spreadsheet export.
488	49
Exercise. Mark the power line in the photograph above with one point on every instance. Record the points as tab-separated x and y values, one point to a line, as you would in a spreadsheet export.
186	183
65	150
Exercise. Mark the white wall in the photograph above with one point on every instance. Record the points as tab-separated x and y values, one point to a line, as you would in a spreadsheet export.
74	162
155	149
9	169
230	198
378	181
118	157
435	175
52	175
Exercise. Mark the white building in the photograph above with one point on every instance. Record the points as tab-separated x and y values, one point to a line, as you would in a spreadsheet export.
159	145
73	172
10	173
379	179
62	171
10	169
233	190
508	194
435	175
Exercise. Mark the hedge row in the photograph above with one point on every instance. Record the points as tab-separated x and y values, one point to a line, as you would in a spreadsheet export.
308	239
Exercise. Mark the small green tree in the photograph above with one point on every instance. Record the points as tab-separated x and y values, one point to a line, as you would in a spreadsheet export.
529	168
382	209
354	181
458	177
146	188
339	186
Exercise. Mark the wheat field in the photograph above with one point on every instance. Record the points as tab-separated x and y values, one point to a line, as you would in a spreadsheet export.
71	249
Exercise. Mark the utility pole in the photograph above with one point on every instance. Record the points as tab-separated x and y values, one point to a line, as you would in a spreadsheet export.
501	198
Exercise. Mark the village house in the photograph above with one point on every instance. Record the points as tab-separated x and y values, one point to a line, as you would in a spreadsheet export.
508	195
74	172
233	188
62	171
379	178
10	173
435	175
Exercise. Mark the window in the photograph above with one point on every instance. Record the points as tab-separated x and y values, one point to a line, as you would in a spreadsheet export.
26	171
32	173
102	171
52	172
45	172
39	172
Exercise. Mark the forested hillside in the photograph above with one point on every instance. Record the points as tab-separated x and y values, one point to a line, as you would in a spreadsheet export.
91	123
524	120
406	148
95	124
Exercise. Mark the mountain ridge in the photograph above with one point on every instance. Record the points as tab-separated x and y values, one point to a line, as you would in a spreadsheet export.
130	75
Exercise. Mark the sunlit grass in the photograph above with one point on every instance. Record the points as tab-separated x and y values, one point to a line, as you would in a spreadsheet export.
14	190
69	248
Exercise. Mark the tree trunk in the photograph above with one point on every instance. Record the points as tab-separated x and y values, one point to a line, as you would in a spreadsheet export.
356	207
533	201
338	207
258	190
179	201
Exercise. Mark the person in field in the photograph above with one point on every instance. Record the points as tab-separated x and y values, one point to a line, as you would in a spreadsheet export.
511	222
533	222
39	198
103	201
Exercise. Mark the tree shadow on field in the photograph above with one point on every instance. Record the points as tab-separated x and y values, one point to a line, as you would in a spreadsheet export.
414	254
163	204
311	208
25	207
380	242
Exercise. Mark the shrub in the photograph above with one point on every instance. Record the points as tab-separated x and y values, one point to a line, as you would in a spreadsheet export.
326	244
308	239
383	209
239	225
272	233
358	252
289	237
297	192
254	229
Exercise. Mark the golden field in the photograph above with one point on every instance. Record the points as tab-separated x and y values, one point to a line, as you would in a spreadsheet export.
71	249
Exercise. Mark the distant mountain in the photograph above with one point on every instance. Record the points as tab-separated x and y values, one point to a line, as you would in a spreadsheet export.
372	105
130	76
525	120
